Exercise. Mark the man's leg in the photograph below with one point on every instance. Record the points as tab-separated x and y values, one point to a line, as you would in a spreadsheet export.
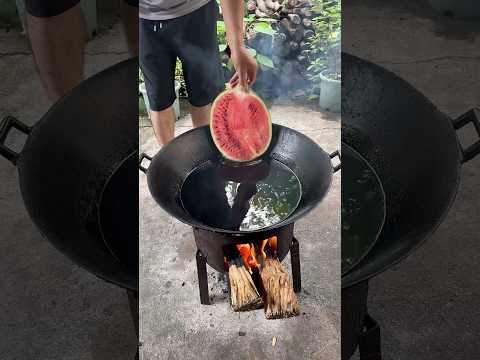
58	42
163	123
157	63
200	115
130	25
197	47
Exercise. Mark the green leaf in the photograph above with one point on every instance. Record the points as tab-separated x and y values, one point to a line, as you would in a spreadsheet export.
220	26
222	47
269	20
265	61
264	28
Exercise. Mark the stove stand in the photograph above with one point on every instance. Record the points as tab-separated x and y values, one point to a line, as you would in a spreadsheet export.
203	277
369	343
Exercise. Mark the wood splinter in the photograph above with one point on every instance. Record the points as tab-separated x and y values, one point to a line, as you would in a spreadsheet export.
280	299
244	295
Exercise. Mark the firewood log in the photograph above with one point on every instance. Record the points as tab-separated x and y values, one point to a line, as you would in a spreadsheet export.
303	12
307	22
260	13
302	59
304	45
298	35
293	46
251	6
280	299
294	18
262	6
308	34
272	5
292	3
280	38
244	295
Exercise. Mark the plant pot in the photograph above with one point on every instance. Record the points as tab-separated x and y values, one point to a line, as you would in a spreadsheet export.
467	9
176	104
330	93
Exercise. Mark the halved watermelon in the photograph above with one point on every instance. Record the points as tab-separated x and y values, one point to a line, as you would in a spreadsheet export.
240	125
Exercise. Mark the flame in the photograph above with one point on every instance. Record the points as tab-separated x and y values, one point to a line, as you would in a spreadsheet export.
272	242
247	251
262	248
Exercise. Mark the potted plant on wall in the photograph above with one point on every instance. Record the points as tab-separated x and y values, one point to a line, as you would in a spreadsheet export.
325	56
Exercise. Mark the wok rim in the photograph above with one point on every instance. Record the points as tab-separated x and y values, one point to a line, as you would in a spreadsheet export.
384	207
100	201
242	233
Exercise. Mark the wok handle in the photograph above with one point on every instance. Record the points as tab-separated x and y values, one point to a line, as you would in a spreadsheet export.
143	156
333	155
471	116
9	122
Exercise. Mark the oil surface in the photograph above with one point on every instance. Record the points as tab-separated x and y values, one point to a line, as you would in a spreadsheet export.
363	208
241	197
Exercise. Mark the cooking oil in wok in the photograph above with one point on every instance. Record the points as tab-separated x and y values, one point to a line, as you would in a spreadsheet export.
241	197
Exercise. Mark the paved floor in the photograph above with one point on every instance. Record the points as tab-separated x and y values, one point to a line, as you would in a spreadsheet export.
428	304
51	308
173	324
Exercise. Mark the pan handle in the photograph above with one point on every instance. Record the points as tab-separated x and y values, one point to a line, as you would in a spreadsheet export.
142	157
471	116
333	155
9	122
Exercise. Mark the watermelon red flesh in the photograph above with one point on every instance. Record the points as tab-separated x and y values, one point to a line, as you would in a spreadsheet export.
240	125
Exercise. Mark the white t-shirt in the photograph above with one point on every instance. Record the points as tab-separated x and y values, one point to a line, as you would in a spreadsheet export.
168	9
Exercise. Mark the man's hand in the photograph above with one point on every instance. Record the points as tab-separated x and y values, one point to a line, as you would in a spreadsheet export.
246	68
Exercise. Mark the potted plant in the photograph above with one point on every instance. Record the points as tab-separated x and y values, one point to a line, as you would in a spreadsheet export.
330	80
325	56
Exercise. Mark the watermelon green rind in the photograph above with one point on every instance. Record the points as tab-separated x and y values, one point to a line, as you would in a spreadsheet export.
224	152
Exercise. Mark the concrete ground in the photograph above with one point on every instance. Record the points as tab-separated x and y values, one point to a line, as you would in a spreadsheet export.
51	308
173	324
428	305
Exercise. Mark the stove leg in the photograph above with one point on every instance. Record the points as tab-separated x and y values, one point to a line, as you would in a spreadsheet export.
295	260
133	302
202	278
370	342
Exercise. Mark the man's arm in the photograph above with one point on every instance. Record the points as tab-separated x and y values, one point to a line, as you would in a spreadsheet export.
244	63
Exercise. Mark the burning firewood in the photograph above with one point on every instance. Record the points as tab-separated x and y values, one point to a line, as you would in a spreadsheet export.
243	292
280	298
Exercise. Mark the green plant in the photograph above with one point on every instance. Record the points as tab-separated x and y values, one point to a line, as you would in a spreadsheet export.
324	46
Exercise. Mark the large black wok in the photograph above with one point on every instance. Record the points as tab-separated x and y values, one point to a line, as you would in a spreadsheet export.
414	149
78	173
173	163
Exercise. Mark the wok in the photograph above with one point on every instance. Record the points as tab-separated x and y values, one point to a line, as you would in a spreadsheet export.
78	176
413	148
170	167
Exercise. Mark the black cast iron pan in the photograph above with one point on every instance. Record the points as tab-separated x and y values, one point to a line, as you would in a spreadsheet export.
413	148
78	173
172	165
363	208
